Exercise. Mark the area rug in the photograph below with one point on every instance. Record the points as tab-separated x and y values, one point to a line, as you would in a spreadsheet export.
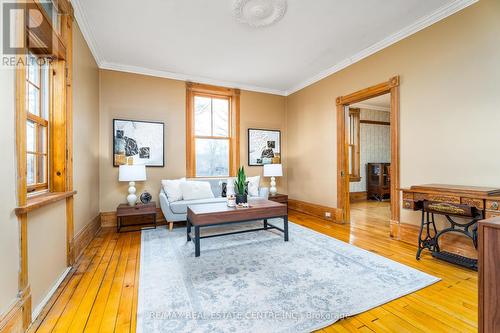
256	282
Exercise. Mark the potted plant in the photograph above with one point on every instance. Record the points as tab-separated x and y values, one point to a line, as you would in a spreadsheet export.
240	186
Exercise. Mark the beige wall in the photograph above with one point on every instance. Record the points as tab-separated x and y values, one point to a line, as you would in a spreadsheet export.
9	234
46	249
132	96
85	132
449	108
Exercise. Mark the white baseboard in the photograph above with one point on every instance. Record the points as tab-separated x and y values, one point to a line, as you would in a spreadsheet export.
47	297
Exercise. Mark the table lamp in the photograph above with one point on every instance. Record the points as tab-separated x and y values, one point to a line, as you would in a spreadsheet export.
132	174
273	170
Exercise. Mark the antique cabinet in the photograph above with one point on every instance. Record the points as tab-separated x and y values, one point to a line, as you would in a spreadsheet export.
378	181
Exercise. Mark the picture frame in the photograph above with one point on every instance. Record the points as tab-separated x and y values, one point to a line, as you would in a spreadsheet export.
264	146
138	142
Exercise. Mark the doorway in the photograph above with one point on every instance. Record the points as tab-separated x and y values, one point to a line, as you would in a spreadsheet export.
350	168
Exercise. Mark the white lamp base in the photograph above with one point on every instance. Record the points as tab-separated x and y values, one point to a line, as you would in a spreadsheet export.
273	190
131	197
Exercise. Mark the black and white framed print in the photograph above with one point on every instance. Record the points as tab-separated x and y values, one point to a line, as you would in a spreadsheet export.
138	142
264	147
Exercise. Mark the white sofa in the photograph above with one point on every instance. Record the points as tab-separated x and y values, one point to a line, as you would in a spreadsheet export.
177	211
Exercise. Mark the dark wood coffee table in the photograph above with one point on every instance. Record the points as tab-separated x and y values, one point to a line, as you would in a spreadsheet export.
205	215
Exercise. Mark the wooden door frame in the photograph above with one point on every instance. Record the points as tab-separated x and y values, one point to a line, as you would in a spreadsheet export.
389	87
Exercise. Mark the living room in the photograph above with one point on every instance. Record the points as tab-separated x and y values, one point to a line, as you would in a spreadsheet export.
153	187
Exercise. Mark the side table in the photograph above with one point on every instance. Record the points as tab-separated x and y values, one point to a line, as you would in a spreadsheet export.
278	197
136	212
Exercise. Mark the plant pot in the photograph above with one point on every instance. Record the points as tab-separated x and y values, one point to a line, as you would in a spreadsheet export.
241	199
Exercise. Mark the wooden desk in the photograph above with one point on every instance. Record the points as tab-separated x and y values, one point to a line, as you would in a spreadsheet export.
470	202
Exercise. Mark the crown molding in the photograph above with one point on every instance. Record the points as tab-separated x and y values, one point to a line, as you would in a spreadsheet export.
86	31
420	24
371	107
186	77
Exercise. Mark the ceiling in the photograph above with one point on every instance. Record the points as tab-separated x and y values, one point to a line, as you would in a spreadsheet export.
203	41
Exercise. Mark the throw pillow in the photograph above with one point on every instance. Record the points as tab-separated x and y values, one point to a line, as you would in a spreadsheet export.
193	190
230	187
172	189
253	186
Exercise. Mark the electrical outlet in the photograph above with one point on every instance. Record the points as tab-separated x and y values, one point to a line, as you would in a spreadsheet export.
328	215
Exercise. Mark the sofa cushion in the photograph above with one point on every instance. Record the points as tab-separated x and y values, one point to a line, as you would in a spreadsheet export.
193	190
253	186
172	189
180	207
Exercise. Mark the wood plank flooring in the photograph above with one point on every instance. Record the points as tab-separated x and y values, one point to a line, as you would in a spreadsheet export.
100	294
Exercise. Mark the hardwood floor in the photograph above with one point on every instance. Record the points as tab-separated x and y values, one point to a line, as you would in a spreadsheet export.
101	293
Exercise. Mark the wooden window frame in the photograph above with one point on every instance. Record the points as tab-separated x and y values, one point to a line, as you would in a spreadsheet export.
354	144
41	185
233	95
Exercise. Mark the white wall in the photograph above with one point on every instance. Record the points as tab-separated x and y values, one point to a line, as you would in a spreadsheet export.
374	144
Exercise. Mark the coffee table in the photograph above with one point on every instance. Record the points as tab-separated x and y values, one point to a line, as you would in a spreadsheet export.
204	215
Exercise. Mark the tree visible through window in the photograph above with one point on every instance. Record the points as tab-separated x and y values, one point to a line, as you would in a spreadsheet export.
37	124
212	137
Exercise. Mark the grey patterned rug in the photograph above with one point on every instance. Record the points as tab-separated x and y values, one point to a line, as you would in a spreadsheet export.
256	282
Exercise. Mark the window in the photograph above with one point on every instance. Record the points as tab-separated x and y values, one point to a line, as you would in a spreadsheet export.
353	145
212	131
37	124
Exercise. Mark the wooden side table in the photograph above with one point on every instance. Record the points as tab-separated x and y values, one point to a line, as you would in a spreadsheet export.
136	212
281	198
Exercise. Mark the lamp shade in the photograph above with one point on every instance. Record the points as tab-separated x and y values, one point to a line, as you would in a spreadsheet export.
273	170
132	173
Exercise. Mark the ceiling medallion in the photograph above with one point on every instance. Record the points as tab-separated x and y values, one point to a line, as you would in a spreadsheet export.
259	13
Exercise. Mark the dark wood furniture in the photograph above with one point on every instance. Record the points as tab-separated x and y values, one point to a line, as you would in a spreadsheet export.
278	197
140	215
378	180
205	215
453	201
489	275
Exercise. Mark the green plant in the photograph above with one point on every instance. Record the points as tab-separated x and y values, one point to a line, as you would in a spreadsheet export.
241	181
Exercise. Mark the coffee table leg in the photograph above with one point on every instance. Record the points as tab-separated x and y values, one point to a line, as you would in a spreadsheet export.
188	230
265	224
196	241
285	227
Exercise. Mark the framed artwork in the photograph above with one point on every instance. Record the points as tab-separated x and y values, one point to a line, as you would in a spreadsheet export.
138	142
264	147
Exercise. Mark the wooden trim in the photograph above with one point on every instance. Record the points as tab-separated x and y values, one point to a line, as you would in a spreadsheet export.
370	92
12	319
24	292
375	122
83	238
358	196
395	176
41	200
451	242
67	35
315	210
108	219
233	95
58	132
392	87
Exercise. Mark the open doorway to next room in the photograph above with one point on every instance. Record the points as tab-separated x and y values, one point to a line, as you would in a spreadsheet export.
370	160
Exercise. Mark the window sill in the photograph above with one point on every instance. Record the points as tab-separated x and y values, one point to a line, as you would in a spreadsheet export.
355	179
42	200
